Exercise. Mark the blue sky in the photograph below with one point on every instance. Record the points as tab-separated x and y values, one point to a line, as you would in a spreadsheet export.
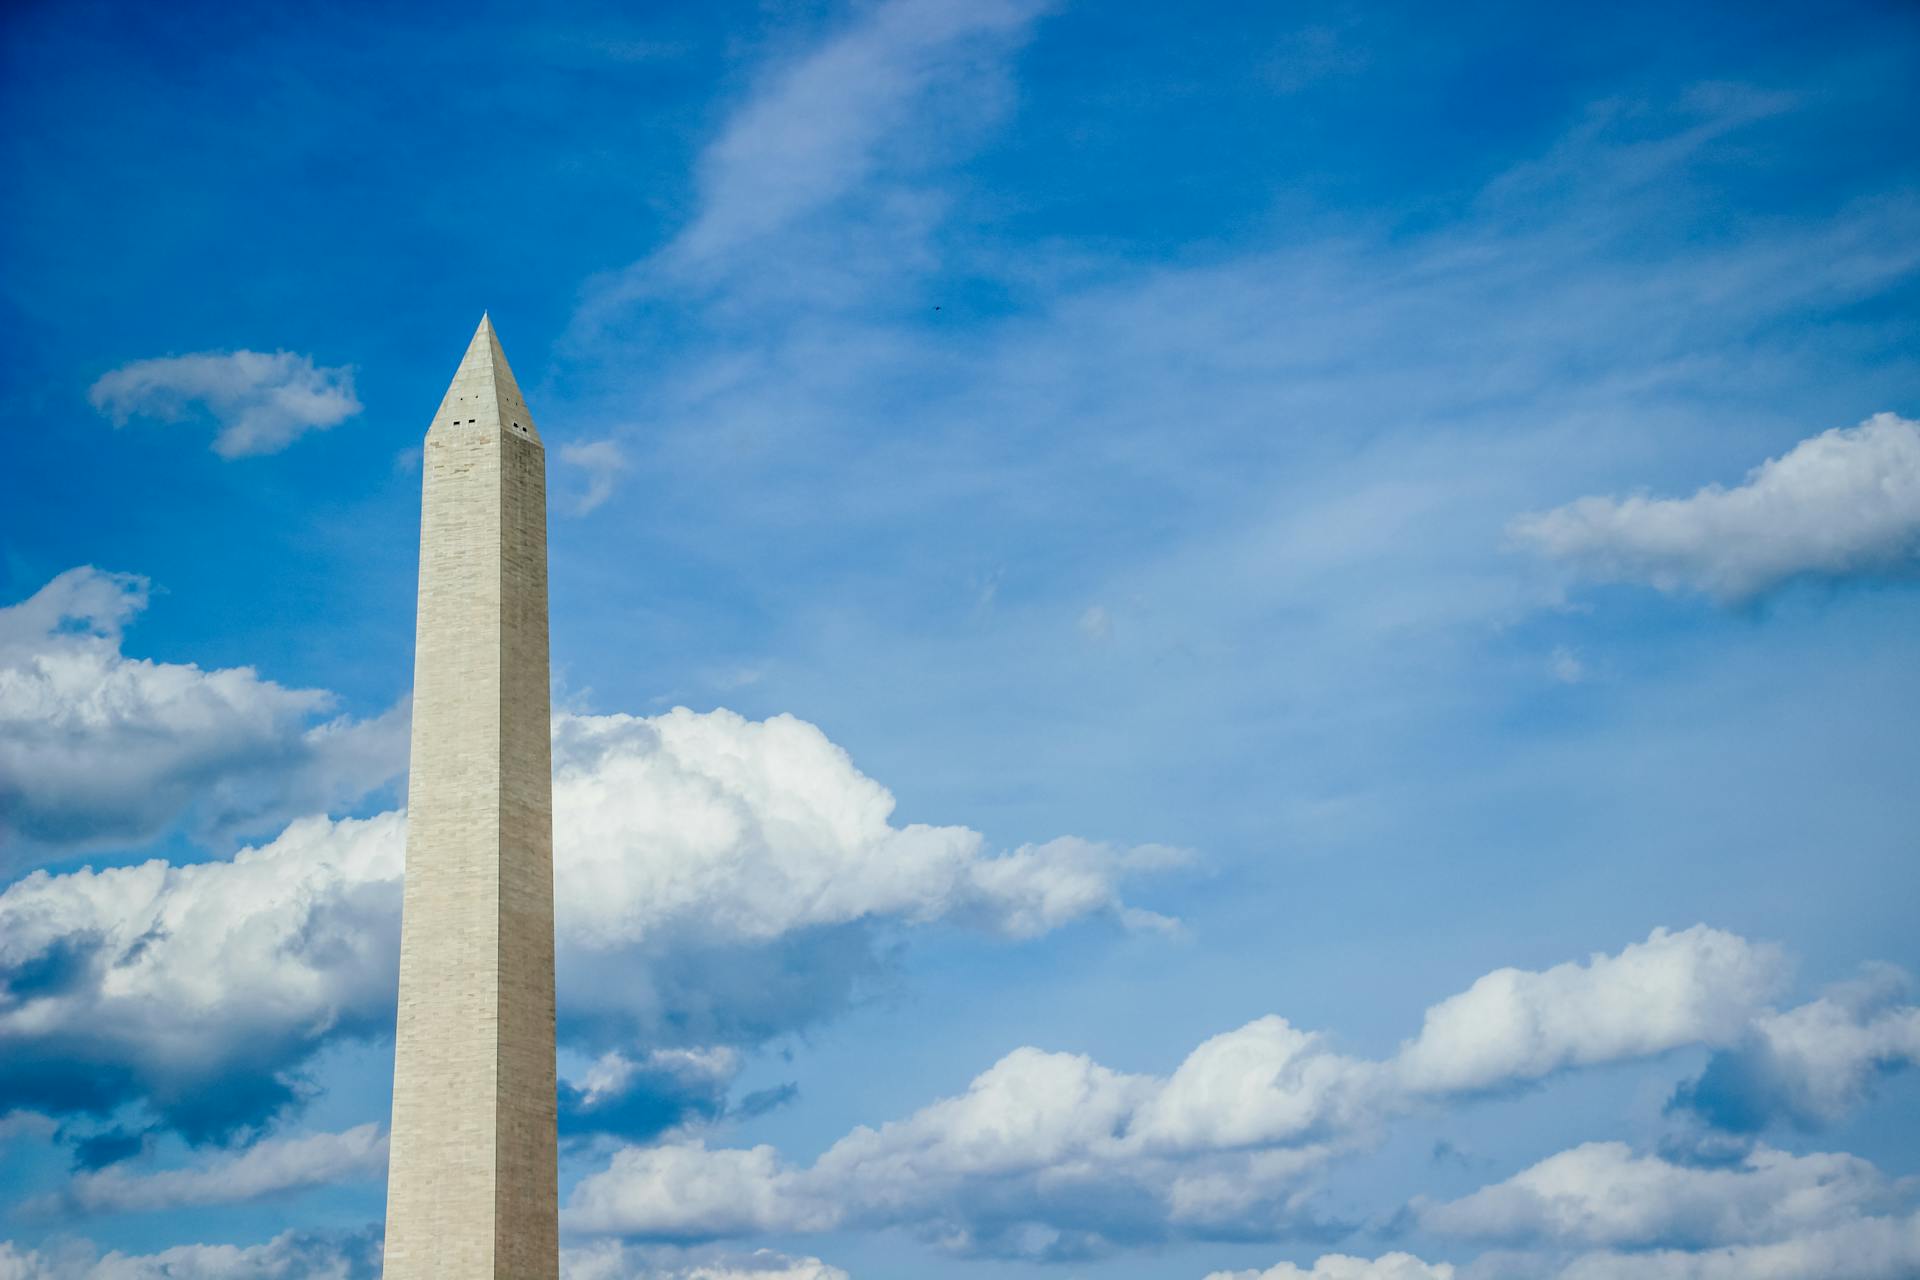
1186	644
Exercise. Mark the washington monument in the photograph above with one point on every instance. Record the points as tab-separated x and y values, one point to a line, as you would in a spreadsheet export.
472	1183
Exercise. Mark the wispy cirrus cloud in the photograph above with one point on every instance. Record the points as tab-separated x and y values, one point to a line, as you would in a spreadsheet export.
1840	504
1859	1247
1696	986
1330	475
844	116
600	462
819	126
260	401
1602	1212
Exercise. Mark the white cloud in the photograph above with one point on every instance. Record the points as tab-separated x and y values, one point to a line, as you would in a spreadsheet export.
1046	1155
1885	1248
609	1260
262	403
97	747
1340	1266
840	132
715	877
1844	502
737	830
817	128
683	1189
1602	1194
269	1167
1096	624
1813	1064
25	1124
601	461
1698	986
292	1255
1052	1155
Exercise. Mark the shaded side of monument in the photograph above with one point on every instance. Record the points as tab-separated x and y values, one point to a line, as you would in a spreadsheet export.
472	1185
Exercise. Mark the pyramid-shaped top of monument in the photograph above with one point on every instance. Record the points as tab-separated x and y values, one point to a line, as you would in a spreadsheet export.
483	394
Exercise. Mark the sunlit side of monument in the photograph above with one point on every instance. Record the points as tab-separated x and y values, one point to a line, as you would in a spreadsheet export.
472	1185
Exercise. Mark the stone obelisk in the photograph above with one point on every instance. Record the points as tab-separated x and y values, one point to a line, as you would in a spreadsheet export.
472	1184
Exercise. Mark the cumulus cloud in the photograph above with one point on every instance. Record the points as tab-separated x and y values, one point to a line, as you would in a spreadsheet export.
1602	1194
1053	1155
25	1124
198	989
262	403
718	881
1843	503
1884	1248
270	1167
1265	1083
293	1255
1698	986
99	748
607	1260
1809	1066
1864	1248
644	1095
742	831
1340	1266
686	1190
